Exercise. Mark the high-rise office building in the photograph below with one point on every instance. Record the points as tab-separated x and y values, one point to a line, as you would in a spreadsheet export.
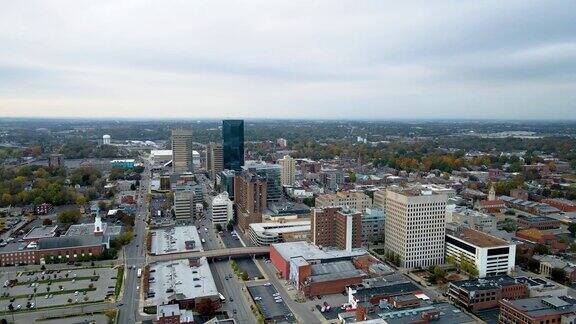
415	225
182	158
336	227
214	159
221	209
288	175
271	173
233	144
249	198
183	203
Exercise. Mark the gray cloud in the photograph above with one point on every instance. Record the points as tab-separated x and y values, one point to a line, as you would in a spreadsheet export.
347	59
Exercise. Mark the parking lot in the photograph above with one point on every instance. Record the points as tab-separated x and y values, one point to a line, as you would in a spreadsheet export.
272	309
56	287
165	218
229	240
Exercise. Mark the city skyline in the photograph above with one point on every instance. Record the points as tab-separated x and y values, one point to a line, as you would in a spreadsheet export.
289	60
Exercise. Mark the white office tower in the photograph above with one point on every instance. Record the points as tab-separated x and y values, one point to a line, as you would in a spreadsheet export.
106	139
182	153
415	225
288	173
221	209
183	204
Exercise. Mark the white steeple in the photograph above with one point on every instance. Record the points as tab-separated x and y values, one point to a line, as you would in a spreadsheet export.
98	230
492	194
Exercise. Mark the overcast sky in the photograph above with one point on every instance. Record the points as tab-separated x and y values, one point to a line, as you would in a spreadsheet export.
289	59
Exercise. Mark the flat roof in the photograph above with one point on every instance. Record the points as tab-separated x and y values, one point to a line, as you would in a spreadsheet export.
485	283
478	238
449	314
175	240
180	277
538	306
280	228
41	232
311	252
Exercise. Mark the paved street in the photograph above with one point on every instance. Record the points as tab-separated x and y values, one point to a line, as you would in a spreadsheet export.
301	312
234	291
134	256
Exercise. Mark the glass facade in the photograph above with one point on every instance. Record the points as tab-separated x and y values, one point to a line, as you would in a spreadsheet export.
233	140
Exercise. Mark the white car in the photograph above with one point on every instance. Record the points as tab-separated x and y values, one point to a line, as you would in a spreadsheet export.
257	298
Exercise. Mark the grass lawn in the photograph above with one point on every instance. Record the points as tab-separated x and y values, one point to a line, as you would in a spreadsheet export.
119	280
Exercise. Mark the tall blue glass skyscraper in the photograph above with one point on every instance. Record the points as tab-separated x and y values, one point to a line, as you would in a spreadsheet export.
233	144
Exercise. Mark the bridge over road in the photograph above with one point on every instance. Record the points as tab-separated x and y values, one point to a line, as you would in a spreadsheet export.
221	253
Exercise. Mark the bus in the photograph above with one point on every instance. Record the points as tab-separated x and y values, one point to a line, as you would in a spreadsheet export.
222	298
139	273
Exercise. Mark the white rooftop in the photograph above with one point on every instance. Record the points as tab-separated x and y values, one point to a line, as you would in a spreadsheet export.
179	277
174	240
277	228
311	252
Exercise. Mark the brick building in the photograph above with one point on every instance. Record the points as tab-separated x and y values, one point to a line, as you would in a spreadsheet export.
62	247
538	310
564	205
250	198
538	222
479	294
314	271
336	227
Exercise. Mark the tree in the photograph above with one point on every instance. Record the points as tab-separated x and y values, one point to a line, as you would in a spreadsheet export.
218	227
6	200
81	200
230	226
541	249
71	216
558	275
205	307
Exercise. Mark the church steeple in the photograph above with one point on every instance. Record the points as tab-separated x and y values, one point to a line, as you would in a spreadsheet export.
98	230
492	194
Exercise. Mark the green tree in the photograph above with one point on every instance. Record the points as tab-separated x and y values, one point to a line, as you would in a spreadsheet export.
218	227
80	200
70	216
229	226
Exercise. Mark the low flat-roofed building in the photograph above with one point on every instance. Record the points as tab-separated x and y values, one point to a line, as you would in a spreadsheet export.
324	278
529	206
538	310
175	239
40	232
172	314
373	291
184	281
474	219
282	253
539	287
51	249
479	294
159	156
264	234
425	312
489	254
538	222
564	205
